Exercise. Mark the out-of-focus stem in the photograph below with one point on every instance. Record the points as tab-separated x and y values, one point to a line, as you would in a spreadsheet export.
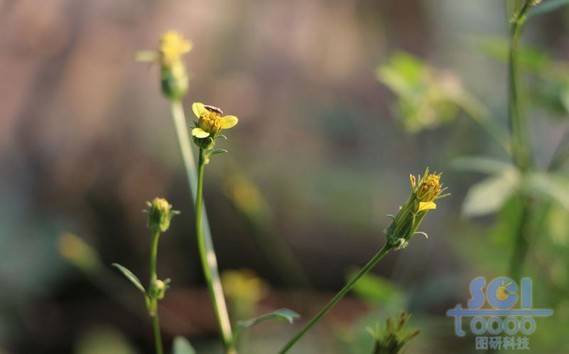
519	136
517	120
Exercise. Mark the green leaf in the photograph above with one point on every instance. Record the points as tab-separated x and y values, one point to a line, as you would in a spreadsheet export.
557	224
547	6
552	186
530	59
481	164
280	314
182	346
427	96
489	195
130	276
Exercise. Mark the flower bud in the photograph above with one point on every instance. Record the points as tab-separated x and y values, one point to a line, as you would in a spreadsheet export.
173	74
160	214
174	81
158	290
392	338
425	190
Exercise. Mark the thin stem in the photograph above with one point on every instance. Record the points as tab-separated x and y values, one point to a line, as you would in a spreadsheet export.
208	259
152	301
346	289
156	331
154	257
184	141
209	265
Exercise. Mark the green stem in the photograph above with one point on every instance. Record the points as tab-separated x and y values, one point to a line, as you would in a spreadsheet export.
346	289
209	265
154	258
523	232
520	138
151	300
156	331
204	236
517	120
184	140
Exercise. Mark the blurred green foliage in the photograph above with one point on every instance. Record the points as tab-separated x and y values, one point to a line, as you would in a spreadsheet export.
426	97
548	78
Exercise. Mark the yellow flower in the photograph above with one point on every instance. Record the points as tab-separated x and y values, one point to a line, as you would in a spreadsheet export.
172	47
427	189
211	121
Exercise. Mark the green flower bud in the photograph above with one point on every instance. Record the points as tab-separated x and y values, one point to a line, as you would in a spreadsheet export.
159	287
392	338
160	214
425	190
173	75
174	80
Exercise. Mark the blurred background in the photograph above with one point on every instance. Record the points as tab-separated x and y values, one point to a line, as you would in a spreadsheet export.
326	141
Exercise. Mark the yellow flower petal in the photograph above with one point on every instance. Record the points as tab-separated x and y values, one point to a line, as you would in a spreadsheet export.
199	109
228	122
199	133
172	46
425	206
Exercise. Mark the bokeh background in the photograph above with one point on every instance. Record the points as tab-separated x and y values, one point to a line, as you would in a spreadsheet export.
319	158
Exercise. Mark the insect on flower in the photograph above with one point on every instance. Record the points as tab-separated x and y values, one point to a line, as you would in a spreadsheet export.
211	121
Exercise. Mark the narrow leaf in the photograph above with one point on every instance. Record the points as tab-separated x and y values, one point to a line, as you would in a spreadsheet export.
182	346
130	276
281	314
218	151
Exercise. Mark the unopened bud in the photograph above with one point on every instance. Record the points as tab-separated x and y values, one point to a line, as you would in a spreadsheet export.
160	214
